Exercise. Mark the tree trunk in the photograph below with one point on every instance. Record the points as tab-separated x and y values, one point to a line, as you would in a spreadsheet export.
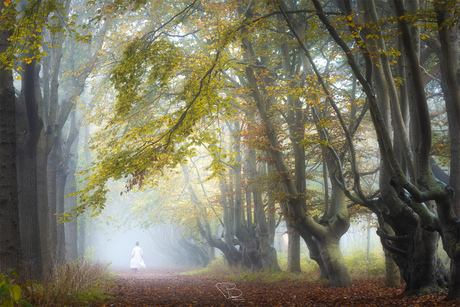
266	254
52	198
420	267
66	156
293	255
334	262
29	126
61	178
71	231
271	219
44	204
82	235
10	241
316	255
234	255
449	211
392	275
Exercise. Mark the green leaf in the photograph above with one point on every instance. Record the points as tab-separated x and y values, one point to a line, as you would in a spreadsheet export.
24	303
16	292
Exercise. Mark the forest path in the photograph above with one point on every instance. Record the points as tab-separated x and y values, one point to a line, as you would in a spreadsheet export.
169	287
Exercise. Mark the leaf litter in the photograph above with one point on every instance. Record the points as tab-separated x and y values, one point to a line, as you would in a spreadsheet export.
169	287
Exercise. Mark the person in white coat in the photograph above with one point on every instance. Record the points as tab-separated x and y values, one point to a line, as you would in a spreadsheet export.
137	258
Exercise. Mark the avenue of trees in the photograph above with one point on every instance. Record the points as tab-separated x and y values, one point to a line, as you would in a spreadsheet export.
235	116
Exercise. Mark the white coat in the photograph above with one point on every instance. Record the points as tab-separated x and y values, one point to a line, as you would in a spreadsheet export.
137	258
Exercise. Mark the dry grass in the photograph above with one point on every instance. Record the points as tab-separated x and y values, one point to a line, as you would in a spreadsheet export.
79	283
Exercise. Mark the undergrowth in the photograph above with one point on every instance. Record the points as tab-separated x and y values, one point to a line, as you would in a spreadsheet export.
359	266
10	292
356	262
238	274
79	283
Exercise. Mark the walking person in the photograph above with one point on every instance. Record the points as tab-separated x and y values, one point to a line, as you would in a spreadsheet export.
137	258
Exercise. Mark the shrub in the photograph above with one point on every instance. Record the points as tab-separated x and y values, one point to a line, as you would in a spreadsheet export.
74	284
359	266
10	293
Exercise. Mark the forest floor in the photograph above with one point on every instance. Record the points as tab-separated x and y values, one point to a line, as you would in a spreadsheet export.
170	287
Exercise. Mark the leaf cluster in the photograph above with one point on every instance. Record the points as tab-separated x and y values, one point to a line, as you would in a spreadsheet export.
10	293
27	26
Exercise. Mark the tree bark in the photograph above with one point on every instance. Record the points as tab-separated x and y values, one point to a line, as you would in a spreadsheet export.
392	274
293	254
10	241
334	262
29	126
71	230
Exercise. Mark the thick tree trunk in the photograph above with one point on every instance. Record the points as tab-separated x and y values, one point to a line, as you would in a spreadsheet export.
392	274
316	255
334	262
416	254
44	205
28	210
450	211
29	126
293	254
454	286
293	248
420	267
10	242
331	262
450	227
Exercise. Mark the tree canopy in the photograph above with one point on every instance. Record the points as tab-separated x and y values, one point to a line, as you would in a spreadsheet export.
234	116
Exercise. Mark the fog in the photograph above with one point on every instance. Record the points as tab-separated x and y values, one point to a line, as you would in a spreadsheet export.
112	243
114	246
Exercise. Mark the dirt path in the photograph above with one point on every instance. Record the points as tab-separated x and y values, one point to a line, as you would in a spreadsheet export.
168	287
